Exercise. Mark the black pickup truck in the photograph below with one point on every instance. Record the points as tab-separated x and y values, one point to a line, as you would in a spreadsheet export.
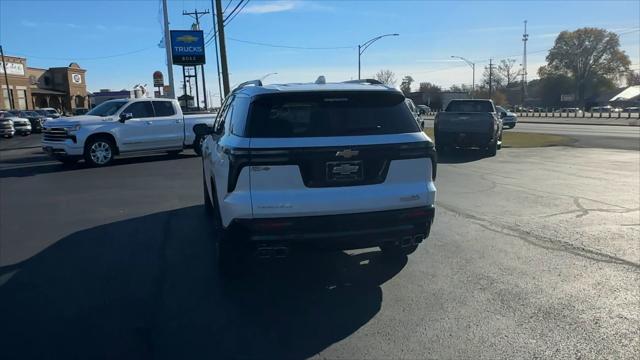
469	124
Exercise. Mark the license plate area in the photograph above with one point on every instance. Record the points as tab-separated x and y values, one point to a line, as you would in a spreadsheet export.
344	171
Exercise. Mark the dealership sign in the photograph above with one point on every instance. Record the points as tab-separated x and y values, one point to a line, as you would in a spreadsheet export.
158	79
187	47
12	68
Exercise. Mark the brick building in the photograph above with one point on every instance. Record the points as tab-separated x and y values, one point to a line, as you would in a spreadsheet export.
62	88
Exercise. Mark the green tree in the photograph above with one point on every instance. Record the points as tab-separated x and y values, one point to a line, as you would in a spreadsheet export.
405	85
587	55
386	77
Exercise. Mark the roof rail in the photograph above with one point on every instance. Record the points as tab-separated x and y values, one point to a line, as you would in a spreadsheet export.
364	81
247	83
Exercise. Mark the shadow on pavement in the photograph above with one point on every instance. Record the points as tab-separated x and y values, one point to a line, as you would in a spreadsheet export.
36	165
147	288
459	156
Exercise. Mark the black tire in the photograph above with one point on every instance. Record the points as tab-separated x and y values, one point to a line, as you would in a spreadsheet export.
229	254
208	206
492	149
99	151
394	250
197	145
512	126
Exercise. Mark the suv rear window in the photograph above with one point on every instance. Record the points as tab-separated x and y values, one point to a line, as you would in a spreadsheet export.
314	114
469	106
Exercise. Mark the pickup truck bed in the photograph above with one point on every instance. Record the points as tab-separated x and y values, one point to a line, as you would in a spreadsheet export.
468	124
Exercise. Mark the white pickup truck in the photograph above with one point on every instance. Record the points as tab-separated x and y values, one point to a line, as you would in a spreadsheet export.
123	126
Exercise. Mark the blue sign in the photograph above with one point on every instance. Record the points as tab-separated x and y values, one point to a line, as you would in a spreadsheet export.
187	47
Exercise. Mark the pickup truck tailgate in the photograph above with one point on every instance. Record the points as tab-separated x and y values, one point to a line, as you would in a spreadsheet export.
465	122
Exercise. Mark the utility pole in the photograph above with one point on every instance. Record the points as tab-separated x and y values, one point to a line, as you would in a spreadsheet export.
525	38
223	48
196	15
490	77
167	46
215	45
6	79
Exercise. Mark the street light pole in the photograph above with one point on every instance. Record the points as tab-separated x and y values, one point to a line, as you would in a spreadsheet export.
473	68
366	44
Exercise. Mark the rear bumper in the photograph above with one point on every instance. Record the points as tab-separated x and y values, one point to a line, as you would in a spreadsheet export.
345	231
463	139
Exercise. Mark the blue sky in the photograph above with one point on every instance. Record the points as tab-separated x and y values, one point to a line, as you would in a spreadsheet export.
96	34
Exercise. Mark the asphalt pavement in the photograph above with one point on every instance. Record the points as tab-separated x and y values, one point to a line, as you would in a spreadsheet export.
533	254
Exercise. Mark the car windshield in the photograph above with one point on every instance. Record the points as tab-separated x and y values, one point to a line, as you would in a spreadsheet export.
51	112
30	113
317	114
107	108
469	106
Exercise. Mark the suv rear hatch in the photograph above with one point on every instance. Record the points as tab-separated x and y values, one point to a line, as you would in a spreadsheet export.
318	153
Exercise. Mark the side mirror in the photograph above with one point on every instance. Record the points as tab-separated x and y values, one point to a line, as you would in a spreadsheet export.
203	130
125	116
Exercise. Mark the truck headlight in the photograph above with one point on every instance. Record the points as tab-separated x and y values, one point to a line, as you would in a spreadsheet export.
74	128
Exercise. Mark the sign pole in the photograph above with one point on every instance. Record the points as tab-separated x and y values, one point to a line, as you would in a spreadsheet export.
167	45
6	79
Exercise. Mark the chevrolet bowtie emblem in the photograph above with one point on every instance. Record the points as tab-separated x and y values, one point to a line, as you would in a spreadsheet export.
348	153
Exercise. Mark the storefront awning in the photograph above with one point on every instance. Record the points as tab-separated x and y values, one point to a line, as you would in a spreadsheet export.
46	92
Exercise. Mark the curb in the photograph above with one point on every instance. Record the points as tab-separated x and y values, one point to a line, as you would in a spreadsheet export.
575	123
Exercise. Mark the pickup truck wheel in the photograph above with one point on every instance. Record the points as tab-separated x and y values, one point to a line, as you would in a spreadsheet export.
197	145
99	152
492	149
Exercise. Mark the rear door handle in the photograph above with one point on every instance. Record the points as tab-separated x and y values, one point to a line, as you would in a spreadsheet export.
148	122
178	121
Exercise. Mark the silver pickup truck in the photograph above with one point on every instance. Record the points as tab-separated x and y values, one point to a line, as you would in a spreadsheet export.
123	126
468	124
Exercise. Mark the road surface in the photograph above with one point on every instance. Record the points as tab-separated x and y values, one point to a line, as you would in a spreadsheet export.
534	254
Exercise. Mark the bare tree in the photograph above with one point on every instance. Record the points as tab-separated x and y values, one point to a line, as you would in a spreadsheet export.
633	78
507	71
386	77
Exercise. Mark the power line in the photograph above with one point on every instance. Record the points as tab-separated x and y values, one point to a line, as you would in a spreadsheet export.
232	12
233	16
290	46
88	58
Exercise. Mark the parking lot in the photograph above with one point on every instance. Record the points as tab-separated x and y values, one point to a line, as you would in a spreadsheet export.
533	253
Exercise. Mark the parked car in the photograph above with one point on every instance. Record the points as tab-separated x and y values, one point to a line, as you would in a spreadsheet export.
599	109
509	119
571	110
6	128
47	115
21	126
632	109
34	118
423	109
79	111
123	126
469	124
49	112
334	165
414	110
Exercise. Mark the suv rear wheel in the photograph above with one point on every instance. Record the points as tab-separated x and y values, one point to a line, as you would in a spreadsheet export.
229	254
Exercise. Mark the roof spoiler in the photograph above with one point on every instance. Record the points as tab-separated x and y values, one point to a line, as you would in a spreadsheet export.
364	81
247	83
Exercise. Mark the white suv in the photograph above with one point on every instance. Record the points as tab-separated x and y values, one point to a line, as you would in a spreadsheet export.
332	165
